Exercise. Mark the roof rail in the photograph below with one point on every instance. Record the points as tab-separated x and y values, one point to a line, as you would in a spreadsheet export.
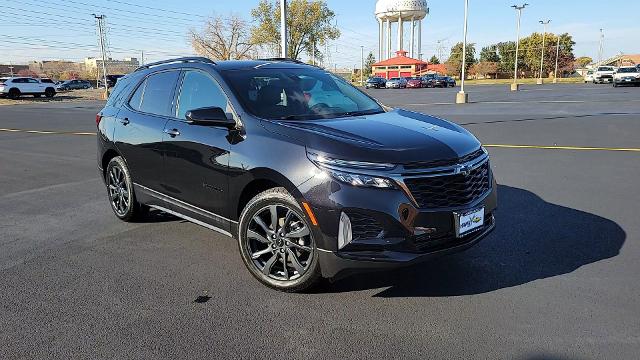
193	59
283	60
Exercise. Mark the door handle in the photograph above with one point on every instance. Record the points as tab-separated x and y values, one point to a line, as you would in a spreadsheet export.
124	121
172	132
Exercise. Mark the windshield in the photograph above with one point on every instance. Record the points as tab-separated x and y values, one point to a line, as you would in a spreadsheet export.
604	68
298	94
628	70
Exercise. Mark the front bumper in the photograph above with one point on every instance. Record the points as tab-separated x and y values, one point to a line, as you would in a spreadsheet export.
395	232
626	81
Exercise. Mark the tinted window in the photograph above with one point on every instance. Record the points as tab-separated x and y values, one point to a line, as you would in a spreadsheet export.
32	81
198	91
298	94
136	99
156	96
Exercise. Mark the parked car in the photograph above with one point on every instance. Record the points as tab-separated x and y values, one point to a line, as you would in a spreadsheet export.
14	87
427	80
414	83
376	83
74	85
440	81
588	77
604	74
626	75
396	83
451	82
307	191
111	80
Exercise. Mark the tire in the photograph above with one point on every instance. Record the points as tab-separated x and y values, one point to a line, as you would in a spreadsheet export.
263	249
117	176
49	92
14	94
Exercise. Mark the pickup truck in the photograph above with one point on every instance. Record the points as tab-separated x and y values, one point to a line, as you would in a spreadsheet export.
604	74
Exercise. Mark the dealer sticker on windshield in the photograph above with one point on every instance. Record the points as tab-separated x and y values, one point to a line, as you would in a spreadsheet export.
468	221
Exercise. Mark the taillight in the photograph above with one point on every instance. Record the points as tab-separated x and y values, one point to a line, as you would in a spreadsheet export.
98	118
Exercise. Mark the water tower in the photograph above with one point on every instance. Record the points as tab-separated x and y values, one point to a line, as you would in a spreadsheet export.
400	11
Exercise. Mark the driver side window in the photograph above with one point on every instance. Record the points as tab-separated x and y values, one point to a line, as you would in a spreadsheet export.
199	90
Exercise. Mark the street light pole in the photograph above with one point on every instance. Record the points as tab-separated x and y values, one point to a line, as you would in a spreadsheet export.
462	97
544	38
515	86
361	65
283	28
555	75
600	51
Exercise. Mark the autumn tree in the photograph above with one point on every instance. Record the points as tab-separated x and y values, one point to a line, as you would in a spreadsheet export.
583	61
368	64
223	38
454	64
310	25
28	73
484	69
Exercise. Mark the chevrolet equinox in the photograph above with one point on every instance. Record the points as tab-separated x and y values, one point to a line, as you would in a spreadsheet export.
313	177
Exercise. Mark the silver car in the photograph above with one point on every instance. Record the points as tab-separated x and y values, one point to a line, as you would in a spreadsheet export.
396	83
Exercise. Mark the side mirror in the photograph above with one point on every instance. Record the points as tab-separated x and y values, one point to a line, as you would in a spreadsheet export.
210	116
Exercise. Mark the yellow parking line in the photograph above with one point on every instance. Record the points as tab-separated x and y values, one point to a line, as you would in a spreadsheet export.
48	132
578	148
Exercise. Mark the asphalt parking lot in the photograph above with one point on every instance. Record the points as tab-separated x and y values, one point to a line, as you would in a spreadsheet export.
558	279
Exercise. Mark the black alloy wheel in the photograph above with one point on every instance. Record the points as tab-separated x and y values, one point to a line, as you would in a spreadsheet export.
276	242
120	191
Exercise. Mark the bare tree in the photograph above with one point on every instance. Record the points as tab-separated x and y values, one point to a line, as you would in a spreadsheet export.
223	38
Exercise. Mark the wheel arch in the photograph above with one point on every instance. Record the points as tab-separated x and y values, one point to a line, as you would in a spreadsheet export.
106	157
263	179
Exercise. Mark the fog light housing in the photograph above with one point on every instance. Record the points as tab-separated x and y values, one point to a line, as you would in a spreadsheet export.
345	234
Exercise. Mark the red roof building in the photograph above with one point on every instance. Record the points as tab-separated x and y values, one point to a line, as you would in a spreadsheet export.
403	66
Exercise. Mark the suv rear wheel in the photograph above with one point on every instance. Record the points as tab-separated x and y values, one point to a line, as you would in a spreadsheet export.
49	92
276	242
120	191
14	93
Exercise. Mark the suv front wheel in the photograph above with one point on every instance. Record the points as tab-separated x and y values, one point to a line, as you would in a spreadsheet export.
276	242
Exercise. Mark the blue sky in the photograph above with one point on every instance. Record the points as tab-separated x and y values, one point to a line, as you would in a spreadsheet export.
68	31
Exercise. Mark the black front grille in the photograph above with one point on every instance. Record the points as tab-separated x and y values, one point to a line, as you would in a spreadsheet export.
418	165
452	190
364	226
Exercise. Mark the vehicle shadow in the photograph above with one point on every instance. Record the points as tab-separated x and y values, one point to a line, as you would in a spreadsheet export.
533	240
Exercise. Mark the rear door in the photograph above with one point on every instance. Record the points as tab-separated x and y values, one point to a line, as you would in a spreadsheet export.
139	128
197	157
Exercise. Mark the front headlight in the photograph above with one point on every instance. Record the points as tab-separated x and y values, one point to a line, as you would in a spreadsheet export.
345	171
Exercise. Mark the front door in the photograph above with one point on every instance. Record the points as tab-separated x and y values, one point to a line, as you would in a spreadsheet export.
139	128
197	157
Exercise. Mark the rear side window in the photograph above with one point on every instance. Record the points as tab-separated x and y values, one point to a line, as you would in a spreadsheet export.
155	95
198	91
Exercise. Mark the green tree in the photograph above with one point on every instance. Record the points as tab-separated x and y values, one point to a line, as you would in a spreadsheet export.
309	22
507	53
489	54
368	64
583	61
454	64
434	60
532	53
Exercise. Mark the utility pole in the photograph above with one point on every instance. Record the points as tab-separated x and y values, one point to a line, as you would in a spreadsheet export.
462	97
544	37
11	69
515	86
100	24
141	57
600	51
283	29
361	65
555	75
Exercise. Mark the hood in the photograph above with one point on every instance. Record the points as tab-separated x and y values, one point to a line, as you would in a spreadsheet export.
398	136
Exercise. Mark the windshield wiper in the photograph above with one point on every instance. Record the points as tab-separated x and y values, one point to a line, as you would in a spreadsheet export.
360	113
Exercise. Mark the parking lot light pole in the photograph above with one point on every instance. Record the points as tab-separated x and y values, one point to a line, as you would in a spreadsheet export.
544	38
555	74
283	28
462	97
515	86
361	65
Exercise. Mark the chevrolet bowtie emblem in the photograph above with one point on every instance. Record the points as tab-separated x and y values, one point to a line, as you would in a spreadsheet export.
463	169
